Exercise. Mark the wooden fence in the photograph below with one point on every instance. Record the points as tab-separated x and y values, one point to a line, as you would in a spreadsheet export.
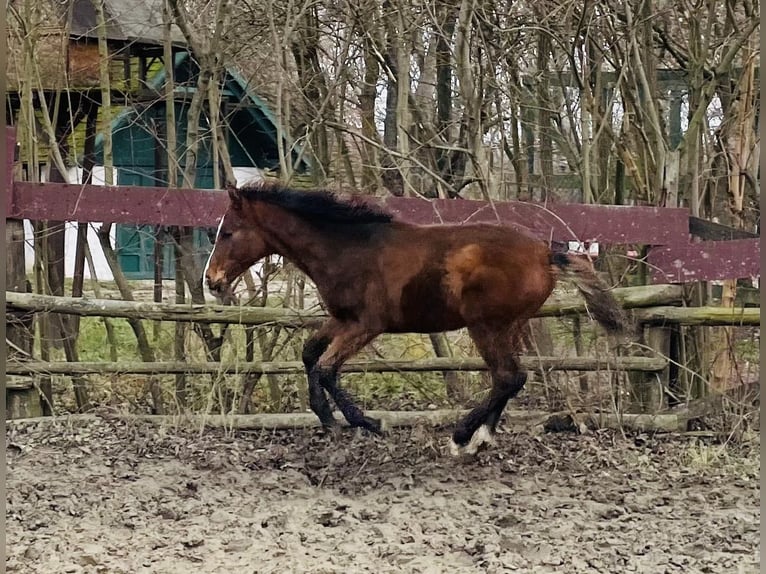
654	306
679	249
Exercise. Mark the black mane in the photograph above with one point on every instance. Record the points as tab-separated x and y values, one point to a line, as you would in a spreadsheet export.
320	206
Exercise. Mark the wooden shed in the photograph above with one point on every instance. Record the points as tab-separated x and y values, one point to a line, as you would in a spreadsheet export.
65	69
140	157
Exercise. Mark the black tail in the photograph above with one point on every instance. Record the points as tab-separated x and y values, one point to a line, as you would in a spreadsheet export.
601	303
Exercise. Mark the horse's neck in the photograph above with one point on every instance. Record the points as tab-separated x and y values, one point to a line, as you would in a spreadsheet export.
295	239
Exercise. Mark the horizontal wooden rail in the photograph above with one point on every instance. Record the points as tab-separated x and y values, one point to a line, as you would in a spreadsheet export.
558	304
205	207
648	364
706	261
514	419
86	307
650	302
708	316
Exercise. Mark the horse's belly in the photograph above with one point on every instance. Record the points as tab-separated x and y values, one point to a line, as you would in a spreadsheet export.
428	312
429	322
426	306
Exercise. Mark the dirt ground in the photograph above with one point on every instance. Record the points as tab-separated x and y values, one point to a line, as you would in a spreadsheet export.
114	497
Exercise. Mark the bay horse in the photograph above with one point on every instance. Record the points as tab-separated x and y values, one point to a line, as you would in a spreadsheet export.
376	274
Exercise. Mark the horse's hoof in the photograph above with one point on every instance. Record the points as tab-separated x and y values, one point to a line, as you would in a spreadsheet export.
483	437
330	429
375	426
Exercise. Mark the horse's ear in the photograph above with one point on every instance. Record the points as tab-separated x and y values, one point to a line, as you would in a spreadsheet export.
234	195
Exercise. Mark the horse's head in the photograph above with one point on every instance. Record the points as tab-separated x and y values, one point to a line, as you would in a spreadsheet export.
238	245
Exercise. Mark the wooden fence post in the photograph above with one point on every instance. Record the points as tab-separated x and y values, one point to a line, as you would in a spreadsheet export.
649	389
21	397
652	392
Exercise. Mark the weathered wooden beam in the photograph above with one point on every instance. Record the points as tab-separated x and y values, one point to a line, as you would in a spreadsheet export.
22	398
708	316
266	421
650	364
662	422
514	419
647	390
558	304
87	307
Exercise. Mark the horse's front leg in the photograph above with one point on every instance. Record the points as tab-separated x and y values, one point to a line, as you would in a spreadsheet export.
312	350
345	340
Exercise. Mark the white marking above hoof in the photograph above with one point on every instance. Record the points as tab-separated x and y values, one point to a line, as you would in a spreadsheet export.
483	436
454	448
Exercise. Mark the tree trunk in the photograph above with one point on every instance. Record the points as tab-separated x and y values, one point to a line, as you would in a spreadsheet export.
457	392
738	134
545	113
108	327
144	348
367	97
305	48
208	57
88	162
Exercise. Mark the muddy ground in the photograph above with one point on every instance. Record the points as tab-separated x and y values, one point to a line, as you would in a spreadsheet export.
114	497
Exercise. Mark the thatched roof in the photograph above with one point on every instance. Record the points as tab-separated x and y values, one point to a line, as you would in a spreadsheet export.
65	46
137	21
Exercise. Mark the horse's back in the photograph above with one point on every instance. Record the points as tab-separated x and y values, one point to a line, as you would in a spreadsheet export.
447	277
499	272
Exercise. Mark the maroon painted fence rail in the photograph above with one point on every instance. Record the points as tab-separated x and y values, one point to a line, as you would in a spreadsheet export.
673	257
706	261
204	208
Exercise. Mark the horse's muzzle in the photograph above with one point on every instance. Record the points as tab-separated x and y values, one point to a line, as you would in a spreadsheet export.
218	287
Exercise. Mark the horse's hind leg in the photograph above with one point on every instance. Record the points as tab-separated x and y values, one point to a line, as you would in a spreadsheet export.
338	342
498	347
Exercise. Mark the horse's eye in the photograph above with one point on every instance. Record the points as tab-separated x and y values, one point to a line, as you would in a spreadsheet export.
224	235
